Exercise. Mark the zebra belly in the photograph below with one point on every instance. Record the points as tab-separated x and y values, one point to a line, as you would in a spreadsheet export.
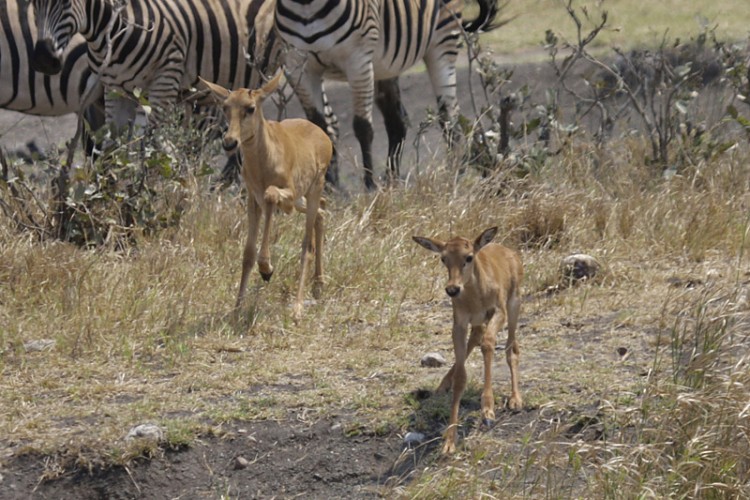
383	70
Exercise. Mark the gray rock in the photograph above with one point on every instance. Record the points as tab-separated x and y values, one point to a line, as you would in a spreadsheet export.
579	267
433	360
39	345
146	431
241	463
413	439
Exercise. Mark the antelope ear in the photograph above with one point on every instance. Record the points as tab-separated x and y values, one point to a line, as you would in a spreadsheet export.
219	92
430	244
487	236
270	87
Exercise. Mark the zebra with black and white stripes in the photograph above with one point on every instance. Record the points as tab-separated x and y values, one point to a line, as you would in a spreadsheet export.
369	41
159	47
28	91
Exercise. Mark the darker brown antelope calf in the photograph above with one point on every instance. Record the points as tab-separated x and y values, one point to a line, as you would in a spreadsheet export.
484	282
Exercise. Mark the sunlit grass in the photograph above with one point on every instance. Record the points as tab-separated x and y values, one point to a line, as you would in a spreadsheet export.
147	334
631	23
635	384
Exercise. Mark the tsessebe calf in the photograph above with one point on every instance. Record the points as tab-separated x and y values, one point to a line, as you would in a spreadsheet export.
283	166
484	282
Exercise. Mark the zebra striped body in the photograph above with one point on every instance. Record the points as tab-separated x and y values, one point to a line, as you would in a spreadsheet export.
159	46
364	41
28	91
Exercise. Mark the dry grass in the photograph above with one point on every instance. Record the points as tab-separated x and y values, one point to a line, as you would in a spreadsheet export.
631	23
146	335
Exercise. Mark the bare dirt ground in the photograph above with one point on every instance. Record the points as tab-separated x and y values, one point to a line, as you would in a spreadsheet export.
284	459
307	456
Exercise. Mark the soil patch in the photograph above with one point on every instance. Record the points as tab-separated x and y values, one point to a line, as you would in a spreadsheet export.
283	459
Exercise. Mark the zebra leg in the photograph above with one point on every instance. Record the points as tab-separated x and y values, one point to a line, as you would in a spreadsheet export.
388	99
448	116
319	119
120	113
230	172
441	67
361	77
308	88
363	132
94	116
332	129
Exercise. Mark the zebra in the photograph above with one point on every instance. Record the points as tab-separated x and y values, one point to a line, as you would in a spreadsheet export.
369	41
159	47
28	91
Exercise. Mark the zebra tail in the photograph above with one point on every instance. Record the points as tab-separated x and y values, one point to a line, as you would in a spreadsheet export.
487	18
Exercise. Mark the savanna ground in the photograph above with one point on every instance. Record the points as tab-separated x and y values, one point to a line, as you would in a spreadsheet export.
635	383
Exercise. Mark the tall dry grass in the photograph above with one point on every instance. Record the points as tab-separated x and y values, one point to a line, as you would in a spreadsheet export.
146	334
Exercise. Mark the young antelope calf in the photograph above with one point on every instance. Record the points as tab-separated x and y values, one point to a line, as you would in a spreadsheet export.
284	165
484	281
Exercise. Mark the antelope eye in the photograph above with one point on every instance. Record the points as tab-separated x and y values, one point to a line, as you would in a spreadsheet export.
469	259
249	110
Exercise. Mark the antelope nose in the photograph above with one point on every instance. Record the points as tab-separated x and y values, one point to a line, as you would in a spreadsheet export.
452	290
229	144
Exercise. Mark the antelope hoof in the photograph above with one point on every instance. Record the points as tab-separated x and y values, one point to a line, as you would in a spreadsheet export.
488	422
449	447
488	415
297	309
317	289
515	403
266	275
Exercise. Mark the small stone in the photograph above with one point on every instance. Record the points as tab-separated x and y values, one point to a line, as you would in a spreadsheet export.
146	431
713	275
413	439
39	345
240	463
433	360
743	300
579	267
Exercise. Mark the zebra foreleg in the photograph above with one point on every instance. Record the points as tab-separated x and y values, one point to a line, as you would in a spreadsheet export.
94	116
388	99
120	117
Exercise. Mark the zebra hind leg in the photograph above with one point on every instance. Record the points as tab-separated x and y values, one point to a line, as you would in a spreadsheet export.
332	173
388	100
453	132
364	133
